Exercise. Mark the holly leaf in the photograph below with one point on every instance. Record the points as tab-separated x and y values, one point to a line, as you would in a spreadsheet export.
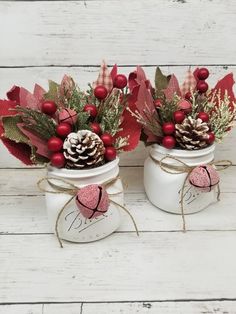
14	94
67	86
172	88
34	140
19	150
52	93
7	108
11	130
161	81
39	93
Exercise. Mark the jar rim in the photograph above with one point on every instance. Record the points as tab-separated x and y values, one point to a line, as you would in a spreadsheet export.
85	173
183	152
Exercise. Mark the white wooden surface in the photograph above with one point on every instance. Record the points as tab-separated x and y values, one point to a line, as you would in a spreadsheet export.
164	271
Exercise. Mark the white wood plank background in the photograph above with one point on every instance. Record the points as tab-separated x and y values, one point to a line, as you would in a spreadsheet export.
128	32
164	271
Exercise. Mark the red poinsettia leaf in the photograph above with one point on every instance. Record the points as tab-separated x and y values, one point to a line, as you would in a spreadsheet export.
113	72
172	88
36	141
131	128
6	106
28	100
18	150
14	94
132	81
141	76
39	92
144	99
226	84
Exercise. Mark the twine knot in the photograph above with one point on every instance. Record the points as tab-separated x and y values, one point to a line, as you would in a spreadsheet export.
184	168
72	190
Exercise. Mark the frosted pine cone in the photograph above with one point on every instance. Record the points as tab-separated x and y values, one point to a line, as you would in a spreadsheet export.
192	134
83	149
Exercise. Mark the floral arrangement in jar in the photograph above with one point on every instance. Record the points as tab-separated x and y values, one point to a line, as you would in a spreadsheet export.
182	123
78	135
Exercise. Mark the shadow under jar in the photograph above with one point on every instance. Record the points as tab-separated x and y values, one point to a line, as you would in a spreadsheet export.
164	189
72	225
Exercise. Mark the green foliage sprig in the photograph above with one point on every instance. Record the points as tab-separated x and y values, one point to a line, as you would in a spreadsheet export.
222	114
38	122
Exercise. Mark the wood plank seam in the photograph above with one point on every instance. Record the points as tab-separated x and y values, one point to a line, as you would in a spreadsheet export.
125	301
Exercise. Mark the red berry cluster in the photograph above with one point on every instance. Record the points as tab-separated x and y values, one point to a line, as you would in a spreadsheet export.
55	143
168	128
110	151
100	92
202	75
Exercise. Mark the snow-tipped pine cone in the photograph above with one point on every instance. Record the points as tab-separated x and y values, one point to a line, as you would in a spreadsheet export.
83	149
192	134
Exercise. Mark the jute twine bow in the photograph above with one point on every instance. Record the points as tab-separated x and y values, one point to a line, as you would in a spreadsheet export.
184	168
72	190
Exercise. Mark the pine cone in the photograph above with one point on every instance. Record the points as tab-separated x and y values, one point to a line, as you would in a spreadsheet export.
192	133
83	149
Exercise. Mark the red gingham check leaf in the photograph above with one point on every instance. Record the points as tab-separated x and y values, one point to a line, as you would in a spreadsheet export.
189	83
104	78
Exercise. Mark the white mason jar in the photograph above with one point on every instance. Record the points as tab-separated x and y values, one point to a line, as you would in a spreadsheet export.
72	226
164	189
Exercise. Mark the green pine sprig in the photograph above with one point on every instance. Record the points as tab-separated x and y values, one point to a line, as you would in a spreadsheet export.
38	122
110	112
168	108
222	114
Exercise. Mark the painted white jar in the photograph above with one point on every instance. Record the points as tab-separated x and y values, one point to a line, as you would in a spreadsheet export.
72	226
164	189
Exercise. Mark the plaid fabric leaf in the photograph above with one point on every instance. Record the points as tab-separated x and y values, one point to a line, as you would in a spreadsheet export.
189	83
104	78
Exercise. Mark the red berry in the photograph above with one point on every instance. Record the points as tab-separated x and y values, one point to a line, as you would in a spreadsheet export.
179	116
110	153
95	127
120	81
107	139
168	128
203	116
100	92
158	103
202	87
55	144
202	74
91	109
188	96
63	129
168	141
58	160
211	138
49	107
